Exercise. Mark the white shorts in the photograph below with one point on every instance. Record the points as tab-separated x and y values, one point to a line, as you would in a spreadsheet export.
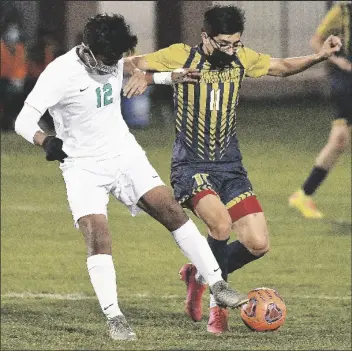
89	183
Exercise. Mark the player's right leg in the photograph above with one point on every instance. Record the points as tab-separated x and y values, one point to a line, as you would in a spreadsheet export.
88	197
215	215
339	140
208	207
197	190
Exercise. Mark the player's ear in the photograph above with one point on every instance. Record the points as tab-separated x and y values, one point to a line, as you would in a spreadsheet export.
205	37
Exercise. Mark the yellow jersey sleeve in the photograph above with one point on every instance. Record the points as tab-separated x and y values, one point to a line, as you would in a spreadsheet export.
168	59
331	23
255	64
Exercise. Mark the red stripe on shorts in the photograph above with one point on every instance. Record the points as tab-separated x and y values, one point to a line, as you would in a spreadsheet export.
245	207
195	199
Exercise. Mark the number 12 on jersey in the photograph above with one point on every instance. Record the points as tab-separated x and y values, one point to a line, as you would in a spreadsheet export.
214	100
107	90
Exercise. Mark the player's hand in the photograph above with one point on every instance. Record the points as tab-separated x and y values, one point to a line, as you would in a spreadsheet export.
53	149
342	63
331	46
186	75
136	85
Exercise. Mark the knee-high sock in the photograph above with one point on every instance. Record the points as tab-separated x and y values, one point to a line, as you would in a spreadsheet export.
314	180
238	256
195	246
103	277
219	249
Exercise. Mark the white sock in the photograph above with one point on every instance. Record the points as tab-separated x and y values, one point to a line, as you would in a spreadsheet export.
199	278
212	302
195	246
103	277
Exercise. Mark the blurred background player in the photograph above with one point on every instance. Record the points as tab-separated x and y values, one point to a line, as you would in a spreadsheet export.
44	50
337	21
207	173
13	70
99	156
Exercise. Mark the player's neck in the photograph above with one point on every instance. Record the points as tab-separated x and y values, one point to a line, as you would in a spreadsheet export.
204	49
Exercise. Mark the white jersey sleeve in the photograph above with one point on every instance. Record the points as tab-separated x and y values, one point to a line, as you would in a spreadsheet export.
26	123
49	89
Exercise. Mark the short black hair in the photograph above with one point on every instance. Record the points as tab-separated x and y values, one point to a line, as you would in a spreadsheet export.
109	36
223	20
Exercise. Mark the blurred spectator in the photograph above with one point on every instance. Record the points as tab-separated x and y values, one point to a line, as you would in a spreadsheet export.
13	69
45	49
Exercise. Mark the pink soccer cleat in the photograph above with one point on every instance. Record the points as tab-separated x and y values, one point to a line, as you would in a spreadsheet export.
218	318
195	291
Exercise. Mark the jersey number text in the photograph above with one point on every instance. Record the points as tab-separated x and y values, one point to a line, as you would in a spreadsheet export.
214	100
107	92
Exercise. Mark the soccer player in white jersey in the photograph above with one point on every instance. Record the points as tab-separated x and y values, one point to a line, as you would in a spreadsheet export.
99	156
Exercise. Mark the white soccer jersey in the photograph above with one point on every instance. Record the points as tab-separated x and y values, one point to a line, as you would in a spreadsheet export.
86	108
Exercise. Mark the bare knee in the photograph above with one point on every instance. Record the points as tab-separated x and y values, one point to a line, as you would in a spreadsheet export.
96	234
221	229
258	244
259	248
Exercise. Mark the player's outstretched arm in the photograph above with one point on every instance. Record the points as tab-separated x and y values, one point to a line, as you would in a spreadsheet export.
293	65
141	77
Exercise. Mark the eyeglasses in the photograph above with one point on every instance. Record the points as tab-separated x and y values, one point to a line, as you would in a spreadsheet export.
225	47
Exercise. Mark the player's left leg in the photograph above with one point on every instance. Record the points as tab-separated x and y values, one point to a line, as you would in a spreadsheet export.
248	221
339	140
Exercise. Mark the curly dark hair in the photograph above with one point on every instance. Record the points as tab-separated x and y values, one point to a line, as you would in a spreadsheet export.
109	36
223	20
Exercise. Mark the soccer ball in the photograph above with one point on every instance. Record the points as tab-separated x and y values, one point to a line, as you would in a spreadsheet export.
265	311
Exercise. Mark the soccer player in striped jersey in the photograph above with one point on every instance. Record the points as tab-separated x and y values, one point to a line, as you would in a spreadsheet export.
338	20
207	173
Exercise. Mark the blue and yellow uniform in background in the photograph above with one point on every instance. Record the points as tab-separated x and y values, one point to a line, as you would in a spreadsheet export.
338	21
206	157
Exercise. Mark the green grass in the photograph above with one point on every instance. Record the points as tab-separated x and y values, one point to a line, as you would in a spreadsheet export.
309	263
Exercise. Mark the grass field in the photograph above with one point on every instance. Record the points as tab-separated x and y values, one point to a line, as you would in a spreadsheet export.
47	300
